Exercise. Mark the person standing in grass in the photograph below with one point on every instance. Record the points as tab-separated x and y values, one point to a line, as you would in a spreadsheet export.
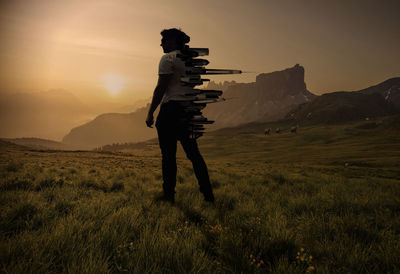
169	92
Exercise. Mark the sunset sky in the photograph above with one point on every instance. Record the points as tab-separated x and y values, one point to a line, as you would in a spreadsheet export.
109	50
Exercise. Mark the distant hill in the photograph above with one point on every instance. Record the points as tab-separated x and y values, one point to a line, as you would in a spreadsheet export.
270	98
389	89
6	146
339	107
38	143
134	106
111	128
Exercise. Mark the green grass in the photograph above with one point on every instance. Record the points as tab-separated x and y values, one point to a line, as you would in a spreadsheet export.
331	193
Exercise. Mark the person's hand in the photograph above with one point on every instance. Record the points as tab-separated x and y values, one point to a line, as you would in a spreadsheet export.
149	120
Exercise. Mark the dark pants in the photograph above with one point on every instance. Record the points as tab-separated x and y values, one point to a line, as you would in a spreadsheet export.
171	128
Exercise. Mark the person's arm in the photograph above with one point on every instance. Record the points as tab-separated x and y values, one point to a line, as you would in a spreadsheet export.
162	85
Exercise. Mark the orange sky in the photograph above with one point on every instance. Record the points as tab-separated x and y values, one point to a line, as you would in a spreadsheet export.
109	50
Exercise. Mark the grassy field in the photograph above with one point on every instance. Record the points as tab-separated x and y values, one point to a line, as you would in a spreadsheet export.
325	200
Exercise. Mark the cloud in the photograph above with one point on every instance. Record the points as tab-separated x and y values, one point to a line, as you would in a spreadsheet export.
102	47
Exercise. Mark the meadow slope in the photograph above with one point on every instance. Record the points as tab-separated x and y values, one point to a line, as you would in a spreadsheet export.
325	199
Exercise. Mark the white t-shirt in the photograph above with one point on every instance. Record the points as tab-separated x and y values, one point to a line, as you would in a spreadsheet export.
171	64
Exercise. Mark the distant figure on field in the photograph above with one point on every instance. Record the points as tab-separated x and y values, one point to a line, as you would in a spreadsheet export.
267	131
293	129
278	130
169	92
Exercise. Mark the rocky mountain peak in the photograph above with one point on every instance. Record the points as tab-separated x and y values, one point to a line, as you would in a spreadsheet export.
269	98
279	84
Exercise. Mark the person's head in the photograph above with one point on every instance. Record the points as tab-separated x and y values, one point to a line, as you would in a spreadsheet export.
173	39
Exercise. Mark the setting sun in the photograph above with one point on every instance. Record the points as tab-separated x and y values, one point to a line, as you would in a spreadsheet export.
114	83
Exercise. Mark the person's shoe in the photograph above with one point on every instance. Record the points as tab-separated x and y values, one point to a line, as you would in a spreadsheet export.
209	197
162	197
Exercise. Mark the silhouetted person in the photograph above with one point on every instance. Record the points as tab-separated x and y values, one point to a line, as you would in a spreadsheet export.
170	120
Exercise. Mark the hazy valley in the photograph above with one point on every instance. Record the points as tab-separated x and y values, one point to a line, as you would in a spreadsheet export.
51	114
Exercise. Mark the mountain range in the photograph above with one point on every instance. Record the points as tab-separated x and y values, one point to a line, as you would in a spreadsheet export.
338	107
111	128
273	96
